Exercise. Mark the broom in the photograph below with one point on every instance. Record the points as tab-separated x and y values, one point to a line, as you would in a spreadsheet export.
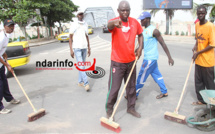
175	116
37	113
109	123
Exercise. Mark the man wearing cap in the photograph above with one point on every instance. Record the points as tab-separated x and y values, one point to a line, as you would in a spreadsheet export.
4	88
124	30
150	66
79	46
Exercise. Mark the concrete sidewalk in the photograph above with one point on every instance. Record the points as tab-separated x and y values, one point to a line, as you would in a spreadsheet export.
39	43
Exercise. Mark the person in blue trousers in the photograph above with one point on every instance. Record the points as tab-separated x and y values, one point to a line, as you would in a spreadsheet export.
150	66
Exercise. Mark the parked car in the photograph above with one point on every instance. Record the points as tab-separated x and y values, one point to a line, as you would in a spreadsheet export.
90	30
105	29
18	54
64	36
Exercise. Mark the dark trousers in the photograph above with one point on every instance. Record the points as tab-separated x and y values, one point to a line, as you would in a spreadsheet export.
118	72
204	79
4	88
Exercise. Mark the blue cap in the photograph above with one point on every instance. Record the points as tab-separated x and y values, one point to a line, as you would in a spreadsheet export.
144	15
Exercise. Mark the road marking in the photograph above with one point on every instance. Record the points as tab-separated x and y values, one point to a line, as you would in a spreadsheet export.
44	53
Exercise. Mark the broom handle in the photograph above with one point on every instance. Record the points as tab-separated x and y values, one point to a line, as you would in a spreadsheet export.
24	92
124	88
179	103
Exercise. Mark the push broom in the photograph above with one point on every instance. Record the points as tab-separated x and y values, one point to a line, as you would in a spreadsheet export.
175	116
109	123
37	113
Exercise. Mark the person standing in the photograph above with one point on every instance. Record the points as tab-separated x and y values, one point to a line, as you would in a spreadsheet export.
4	87
124	30
80	46
150	66
203	54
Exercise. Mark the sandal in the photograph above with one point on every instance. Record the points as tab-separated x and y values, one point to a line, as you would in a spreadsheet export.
198	103
161	96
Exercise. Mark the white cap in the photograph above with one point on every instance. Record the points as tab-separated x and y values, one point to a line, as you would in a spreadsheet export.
80	11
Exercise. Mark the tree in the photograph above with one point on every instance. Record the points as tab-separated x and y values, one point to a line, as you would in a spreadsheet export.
169	15
60	11
21	10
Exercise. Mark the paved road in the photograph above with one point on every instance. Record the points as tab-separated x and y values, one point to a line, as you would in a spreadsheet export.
70	109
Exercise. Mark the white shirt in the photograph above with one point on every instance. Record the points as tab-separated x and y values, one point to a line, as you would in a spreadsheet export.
79	30
4	39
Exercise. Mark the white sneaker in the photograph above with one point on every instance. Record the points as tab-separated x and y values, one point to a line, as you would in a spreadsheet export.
5	111
87	87
14	101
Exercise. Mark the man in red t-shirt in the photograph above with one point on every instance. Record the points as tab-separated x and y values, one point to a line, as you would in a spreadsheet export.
124	30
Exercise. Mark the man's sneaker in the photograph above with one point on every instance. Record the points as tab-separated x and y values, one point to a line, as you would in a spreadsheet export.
87	87
134	113
81	84
14	101
5	111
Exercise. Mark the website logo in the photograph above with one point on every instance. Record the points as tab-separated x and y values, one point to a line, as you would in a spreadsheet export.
95	71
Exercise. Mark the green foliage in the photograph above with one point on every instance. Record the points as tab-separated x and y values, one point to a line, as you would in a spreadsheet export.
186	33
20	10
176	33
182	33
34	37
61	10
193	34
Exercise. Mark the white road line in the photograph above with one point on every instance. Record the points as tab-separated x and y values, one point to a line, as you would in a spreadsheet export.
103	46
65	50
44	53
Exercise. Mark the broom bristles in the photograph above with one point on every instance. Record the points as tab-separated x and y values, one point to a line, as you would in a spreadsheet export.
36	115
175	117
111	125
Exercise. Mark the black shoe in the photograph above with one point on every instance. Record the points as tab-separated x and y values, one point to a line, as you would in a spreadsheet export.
134	113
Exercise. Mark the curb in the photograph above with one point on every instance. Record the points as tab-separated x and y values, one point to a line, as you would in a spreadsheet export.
42	43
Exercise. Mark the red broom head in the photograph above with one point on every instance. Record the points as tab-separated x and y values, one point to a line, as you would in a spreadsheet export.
117	130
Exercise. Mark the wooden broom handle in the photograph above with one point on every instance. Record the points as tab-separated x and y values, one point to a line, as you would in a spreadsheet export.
24	92
114	111
185	84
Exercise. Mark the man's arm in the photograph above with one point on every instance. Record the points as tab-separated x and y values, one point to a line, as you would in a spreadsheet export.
70	45
195	54
139	49
5	62
158	36
114	23
88	42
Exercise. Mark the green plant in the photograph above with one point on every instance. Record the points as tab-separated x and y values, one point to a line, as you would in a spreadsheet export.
170	33
182	33
193	34
34	37
186	33
10	40
176	33
14	39
41	36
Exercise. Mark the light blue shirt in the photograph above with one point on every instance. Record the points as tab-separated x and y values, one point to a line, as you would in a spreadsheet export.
150	44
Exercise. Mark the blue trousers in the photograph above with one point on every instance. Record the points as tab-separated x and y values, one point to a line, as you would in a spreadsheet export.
80	55
150	67
4	88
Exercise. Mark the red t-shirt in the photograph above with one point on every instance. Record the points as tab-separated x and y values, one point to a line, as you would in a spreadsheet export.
123	43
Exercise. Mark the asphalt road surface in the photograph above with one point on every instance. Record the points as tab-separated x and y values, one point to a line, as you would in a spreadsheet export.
70	109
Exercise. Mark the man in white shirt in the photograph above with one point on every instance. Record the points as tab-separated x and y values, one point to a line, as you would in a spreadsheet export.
79	46
4	88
